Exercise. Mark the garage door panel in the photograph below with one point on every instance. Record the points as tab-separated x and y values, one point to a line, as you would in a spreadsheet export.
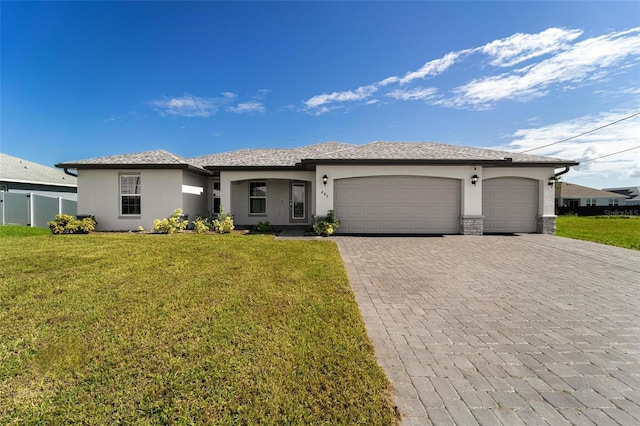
407	204
405	225
510	205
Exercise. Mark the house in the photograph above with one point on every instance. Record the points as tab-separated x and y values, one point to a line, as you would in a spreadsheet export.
571	195
631	193
22	176
376	188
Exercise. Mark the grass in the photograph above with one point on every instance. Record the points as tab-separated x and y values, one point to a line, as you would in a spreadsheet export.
7	231
616	231
183	329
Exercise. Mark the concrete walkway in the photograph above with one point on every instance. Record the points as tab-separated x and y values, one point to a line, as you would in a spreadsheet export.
502	330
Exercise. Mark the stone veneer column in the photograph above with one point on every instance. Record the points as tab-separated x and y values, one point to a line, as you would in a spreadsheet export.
471	225
546	225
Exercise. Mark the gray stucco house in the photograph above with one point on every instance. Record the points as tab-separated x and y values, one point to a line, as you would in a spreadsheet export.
572	195
376	188
26	177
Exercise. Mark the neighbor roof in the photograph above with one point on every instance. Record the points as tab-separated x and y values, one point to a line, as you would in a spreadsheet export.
323	153
14	169
570	190
631	193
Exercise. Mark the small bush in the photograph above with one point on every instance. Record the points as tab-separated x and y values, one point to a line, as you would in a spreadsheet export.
224	223
263	226
173	224
202	225
326	225
67	224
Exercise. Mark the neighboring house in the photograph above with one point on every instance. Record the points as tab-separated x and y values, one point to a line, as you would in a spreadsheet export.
571	195
380	187
631	193
22	176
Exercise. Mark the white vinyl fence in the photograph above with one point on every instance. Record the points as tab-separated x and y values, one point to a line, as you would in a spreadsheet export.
32	209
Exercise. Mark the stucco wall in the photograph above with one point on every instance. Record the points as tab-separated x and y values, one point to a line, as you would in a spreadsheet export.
194	204
99	195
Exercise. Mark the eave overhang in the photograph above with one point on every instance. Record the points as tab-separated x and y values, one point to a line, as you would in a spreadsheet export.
186	167
439	162
35	182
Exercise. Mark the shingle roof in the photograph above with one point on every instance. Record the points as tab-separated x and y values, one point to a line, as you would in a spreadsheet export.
14	169
630	192
154	158
324	152
270	157
570	190
430	151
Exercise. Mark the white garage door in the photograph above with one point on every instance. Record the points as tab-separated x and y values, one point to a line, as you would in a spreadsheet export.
509	205
398	205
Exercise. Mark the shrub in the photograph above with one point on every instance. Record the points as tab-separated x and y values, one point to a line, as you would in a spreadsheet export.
326	225
175	223
224	223
263	226
67	224
202	225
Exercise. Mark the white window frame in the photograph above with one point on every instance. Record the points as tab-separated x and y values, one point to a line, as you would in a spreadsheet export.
257	183
589	202
614	202
137	188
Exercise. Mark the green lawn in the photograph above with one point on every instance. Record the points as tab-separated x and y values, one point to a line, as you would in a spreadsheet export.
183	329
7	231
615	231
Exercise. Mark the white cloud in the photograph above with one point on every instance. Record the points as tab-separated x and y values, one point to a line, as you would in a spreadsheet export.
362	92
608	140
587	61
186	106
520	47
195	106
556	62
431	68
245	107
419	93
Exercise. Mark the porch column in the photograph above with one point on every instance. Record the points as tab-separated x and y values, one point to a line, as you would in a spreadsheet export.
225	192
471	219
546	221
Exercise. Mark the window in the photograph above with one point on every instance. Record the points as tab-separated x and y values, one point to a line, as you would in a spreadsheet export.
4	188
613	201
130	194
591	202
257	197
216	196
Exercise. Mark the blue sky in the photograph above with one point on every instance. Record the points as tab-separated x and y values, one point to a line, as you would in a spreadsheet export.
88	79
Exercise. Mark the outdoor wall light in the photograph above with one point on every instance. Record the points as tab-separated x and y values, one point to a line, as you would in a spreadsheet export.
474	179
325	179
551	181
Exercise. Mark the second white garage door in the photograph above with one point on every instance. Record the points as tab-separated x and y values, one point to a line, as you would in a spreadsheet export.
509	205
398	205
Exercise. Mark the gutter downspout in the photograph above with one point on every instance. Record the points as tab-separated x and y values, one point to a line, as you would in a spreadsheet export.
66	171
566	170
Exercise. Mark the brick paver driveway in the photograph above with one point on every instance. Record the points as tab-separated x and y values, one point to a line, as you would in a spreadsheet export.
527	329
